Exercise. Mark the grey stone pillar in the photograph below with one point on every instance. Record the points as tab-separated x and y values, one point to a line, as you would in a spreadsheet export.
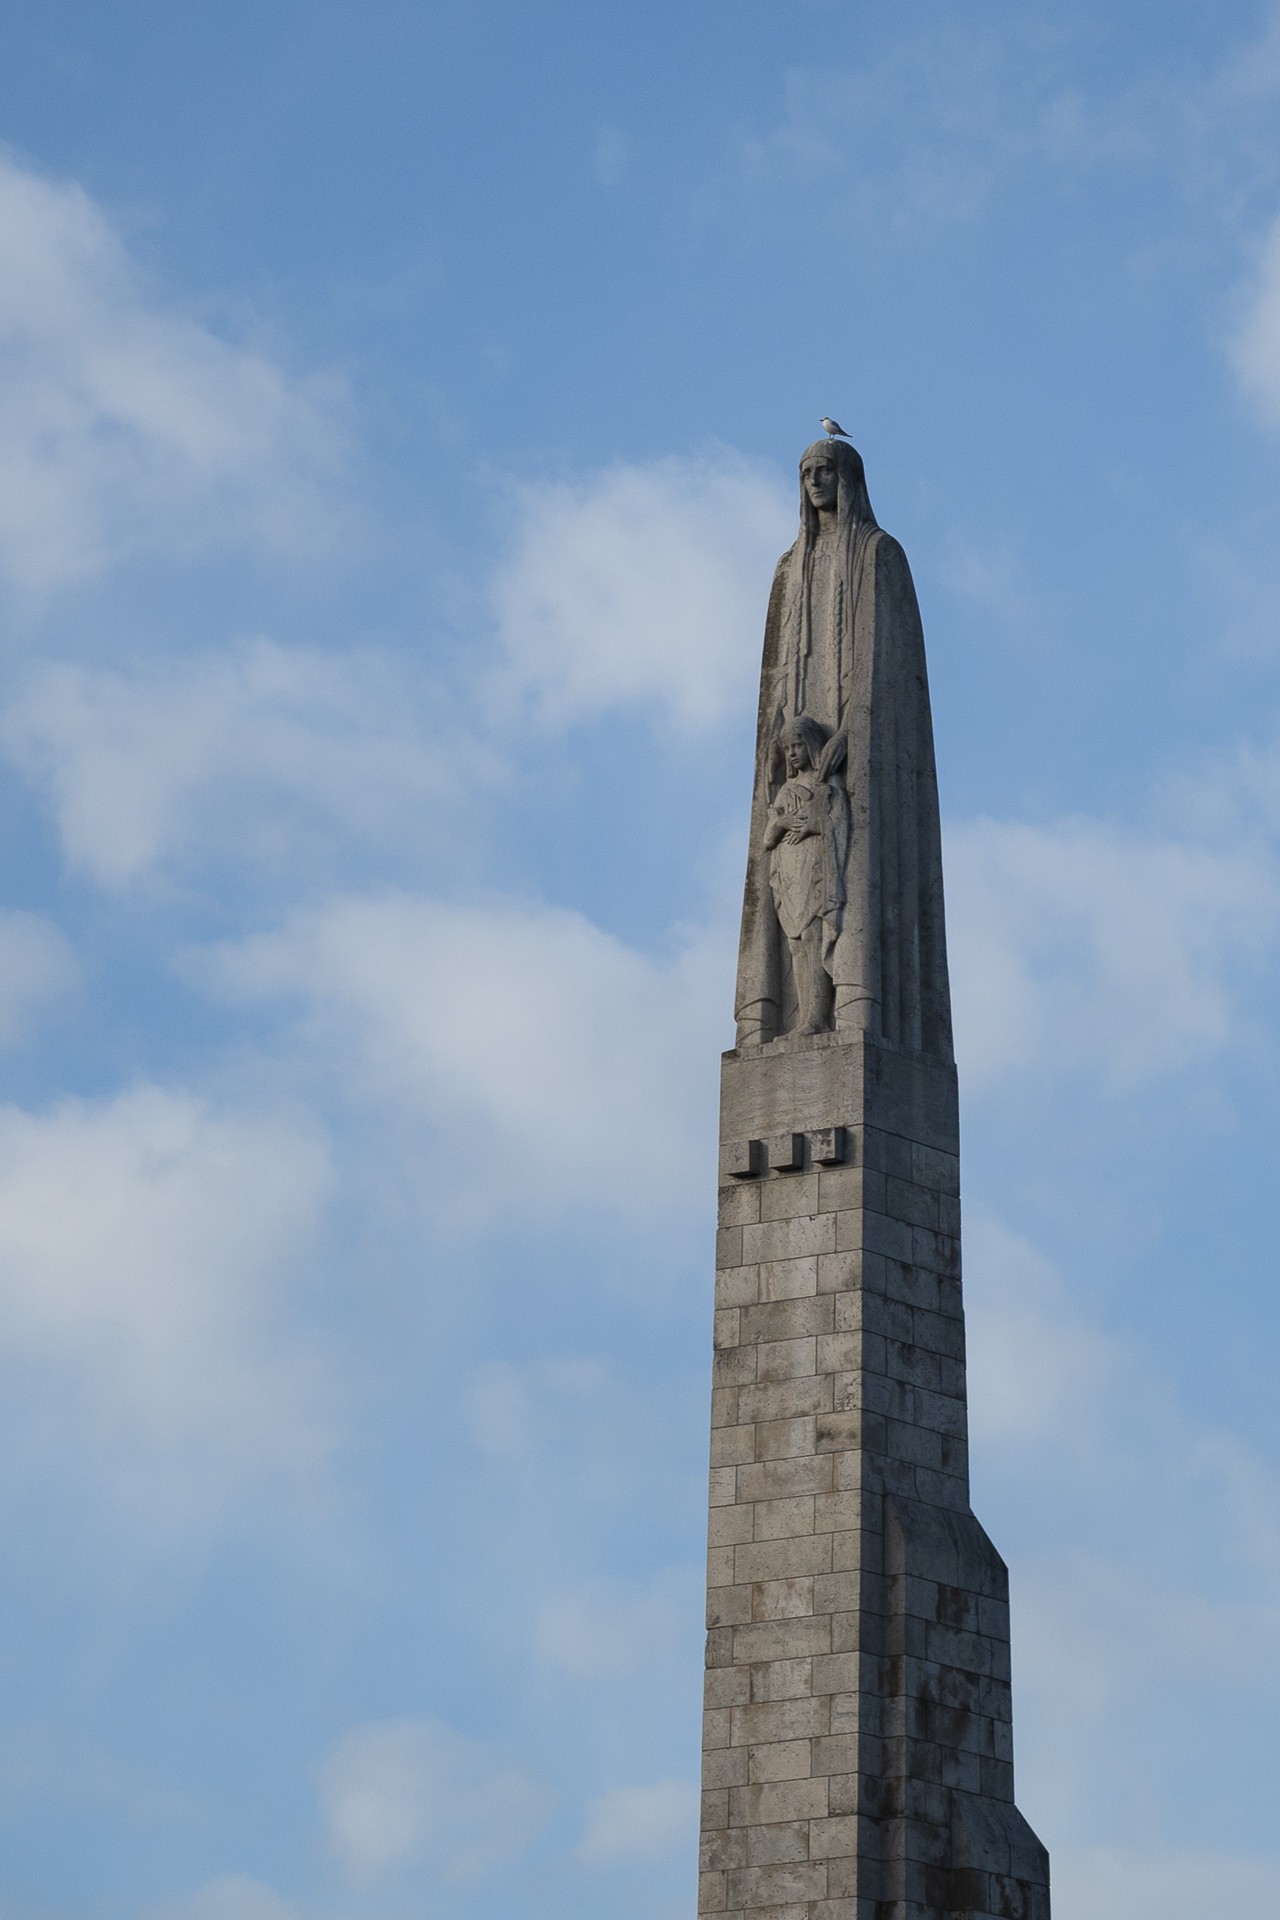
858	1744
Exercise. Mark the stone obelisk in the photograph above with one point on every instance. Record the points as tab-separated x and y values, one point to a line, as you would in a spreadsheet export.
858	1756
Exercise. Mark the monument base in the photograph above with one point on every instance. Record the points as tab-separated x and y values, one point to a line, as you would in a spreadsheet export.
858	1746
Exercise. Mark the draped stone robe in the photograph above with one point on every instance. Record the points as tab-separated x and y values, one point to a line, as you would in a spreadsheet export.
844	644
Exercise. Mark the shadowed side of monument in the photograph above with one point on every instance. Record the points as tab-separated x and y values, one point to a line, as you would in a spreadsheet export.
858	1758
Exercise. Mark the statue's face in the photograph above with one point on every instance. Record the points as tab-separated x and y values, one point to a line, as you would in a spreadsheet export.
797	756
821	483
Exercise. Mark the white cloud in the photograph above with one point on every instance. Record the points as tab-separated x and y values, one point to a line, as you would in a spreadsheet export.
1081	944
1147	1585
143	1242
1034	1365
526	1036
253	748
400	1792
231	1896
643	584
125	423
605	1630
635	1823
1254	346
37	965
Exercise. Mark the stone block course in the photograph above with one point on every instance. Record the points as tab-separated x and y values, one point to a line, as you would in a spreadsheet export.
915	1205
777	1519
716	1723
834	1837
734	1367
842	1272
788	1197
728	1607
784	1239
777	1479
787	1319
785	1359
723	1847
725	1767
775	1801
779	1680
729	1247
767	1846
720	1566
785	1399
836	1352
939	1252
835	1673
779	1639
766	1560
779	1760
715	1809
762	1723
738	1205
737	1287
789	1599
724	1406
732	1446
847	1189
784	1439
726	1687
932	1168
913	1286
889	1153
754	1887
788	1279
836	1512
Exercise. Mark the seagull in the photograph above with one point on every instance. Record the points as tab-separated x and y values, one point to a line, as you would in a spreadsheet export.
833	429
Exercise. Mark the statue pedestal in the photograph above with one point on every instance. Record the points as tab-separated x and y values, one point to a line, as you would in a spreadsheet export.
858	1756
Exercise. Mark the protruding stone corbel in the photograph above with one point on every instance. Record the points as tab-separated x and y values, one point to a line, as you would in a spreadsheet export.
786	1153
742	1159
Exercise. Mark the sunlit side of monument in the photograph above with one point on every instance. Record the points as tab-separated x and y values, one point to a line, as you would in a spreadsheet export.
858	1759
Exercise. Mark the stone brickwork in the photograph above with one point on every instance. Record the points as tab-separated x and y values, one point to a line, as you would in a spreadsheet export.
858	1758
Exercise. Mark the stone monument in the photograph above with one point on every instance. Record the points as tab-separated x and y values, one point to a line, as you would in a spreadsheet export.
858	1759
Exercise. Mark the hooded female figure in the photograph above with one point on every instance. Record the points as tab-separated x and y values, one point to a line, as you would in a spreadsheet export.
843	646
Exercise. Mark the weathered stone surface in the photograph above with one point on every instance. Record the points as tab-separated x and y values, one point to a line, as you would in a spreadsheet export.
858	1708
842	921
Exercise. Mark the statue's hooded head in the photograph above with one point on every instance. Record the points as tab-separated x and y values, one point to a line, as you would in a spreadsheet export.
851	502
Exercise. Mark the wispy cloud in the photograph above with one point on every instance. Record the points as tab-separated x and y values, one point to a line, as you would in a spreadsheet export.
37	967
126	423
268	751
1148	1608
1254	345
415	1792
642	584
1082	946
508	1027
144	1245
606	1629
636	1823
231	1896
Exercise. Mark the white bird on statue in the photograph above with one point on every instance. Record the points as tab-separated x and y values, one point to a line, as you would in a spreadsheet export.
833	429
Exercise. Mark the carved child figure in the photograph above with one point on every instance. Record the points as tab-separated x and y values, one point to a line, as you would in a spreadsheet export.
806	835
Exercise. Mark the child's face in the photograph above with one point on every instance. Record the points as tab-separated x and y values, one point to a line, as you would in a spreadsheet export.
797	756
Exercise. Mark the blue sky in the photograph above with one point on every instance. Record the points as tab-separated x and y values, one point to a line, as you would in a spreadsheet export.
399	411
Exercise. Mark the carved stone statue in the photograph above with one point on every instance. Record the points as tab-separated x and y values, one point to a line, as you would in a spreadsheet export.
844	654
807	835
